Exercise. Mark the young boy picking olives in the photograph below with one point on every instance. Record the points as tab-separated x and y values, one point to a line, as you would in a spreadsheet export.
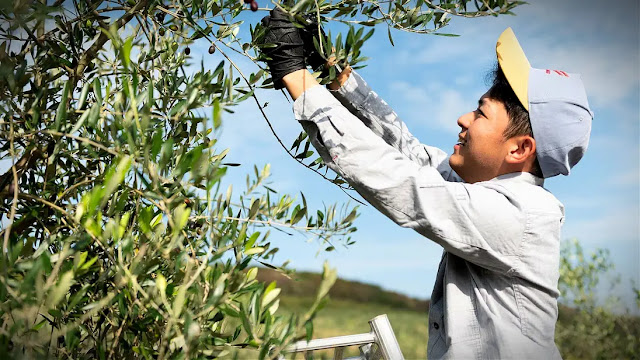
496	291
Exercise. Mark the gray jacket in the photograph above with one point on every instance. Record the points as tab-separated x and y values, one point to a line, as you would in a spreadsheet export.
496	291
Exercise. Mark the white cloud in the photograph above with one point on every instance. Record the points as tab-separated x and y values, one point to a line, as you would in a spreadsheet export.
630	177
463	80
433	105
584	19
610	71
434	51
603	142
601	45
615	225
583	202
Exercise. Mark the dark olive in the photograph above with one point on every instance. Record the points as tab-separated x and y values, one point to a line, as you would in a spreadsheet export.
161	31
187	51
212	49
254	6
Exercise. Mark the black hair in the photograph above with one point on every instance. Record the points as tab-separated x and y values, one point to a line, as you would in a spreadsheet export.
519	123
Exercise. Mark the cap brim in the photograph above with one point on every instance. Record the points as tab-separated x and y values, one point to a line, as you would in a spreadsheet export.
514	65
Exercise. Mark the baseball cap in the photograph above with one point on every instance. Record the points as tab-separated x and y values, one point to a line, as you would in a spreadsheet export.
557	103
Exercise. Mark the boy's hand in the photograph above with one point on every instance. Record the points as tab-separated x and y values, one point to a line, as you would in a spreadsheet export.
313	57
288	55
313	31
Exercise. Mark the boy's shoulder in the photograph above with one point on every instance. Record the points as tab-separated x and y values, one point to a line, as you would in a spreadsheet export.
528	192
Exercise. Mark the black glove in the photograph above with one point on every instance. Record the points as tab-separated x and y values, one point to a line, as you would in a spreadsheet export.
308	33
288	55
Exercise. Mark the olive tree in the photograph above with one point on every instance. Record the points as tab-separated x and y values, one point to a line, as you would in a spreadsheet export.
117	238
590	319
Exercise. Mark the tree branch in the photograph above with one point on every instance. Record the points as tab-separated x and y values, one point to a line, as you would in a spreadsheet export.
25	163
92	52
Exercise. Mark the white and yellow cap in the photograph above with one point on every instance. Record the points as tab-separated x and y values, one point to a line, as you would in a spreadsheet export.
557	104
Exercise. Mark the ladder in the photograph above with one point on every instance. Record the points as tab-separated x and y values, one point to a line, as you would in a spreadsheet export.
379	343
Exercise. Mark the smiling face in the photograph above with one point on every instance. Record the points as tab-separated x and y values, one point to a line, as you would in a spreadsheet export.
482	151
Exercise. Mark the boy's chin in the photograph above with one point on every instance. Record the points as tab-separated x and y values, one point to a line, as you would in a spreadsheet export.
456	163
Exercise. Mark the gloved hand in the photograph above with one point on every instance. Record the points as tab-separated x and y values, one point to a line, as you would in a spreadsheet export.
308	33
288	55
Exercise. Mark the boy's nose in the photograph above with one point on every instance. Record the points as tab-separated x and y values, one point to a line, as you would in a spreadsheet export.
465	120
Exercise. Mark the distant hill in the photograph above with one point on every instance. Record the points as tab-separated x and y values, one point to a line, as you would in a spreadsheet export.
305	284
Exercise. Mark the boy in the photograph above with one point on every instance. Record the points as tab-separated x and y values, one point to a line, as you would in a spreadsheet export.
496	292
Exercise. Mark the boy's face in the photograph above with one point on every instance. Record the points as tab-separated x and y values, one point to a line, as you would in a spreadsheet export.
481	151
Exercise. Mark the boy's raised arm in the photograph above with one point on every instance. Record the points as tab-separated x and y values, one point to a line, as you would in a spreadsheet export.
356	95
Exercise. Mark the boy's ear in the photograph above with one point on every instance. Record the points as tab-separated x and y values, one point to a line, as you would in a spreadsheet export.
521	148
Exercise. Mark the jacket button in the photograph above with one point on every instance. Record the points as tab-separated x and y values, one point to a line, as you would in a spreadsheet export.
436	326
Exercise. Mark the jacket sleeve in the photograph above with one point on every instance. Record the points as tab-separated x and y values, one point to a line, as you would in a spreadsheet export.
356	95
476	223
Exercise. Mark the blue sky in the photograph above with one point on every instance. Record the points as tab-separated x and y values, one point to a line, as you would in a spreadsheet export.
430	81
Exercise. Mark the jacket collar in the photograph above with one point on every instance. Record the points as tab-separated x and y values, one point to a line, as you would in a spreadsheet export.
520	176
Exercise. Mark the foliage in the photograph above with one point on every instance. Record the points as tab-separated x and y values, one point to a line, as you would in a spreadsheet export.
117	240
609	335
